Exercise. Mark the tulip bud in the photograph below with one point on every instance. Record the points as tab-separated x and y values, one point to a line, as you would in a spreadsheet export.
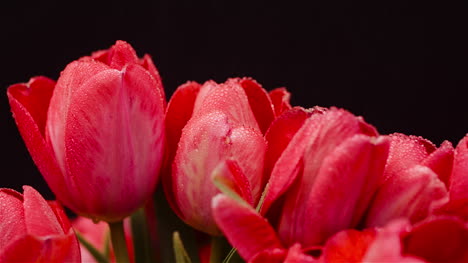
97	135
215	130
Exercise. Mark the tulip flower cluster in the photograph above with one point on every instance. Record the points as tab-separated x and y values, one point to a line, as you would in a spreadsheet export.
263	180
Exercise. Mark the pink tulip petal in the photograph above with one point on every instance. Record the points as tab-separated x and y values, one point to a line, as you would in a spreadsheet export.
405	152
34	97
179	110
348	246
339	195
119	55
260	103
229	98
276	255
441	162
147	63
68	84
459	178
60	215
280	98
280	133
29	103
245	229
410	195
295	255
442	239
40	220
12	223
109	107
289	163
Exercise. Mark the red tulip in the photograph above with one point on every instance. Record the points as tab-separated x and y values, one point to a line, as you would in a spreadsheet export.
215	130
325	172
97	135
34	230
415	179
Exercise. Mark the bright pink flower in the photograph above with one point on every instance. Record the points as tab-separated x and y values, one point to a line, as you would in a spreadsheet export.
436	239
97	135
98	235
215	130
326	167
34	230
415	179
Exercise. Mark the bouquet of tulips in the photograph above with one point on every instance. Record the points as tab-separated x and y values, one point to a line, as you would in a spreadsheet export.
221	173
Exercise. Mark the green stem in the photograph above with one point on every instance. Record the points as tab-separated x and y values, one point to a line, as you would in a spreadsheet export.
118	242
218	248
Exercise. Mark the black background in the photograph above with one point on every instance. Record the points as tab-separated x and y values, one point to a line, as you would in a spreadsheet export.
402	66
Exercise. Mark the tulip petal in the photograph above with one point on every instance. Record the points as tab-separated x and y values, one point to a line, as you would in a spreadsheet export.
410	195
339	195
280	133
147	63
119	55
459	178
229	98
289	163
260	103
405	152
348	246
441	162
12	223
179	111
39	218
280	98
114	140
29	104
442	239
74	75
245	229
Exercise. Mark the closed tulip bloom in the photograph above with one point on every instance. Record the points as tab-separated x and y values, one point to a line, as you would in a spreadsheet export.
34	230
215	130
97	135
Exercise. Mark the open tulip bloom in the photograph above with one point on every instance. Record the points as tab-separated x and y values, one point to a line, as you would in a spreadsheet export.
264	181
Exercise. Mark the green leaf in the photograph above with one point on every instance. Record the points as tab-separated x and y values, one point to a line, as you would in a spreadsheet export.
181	255
141	239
